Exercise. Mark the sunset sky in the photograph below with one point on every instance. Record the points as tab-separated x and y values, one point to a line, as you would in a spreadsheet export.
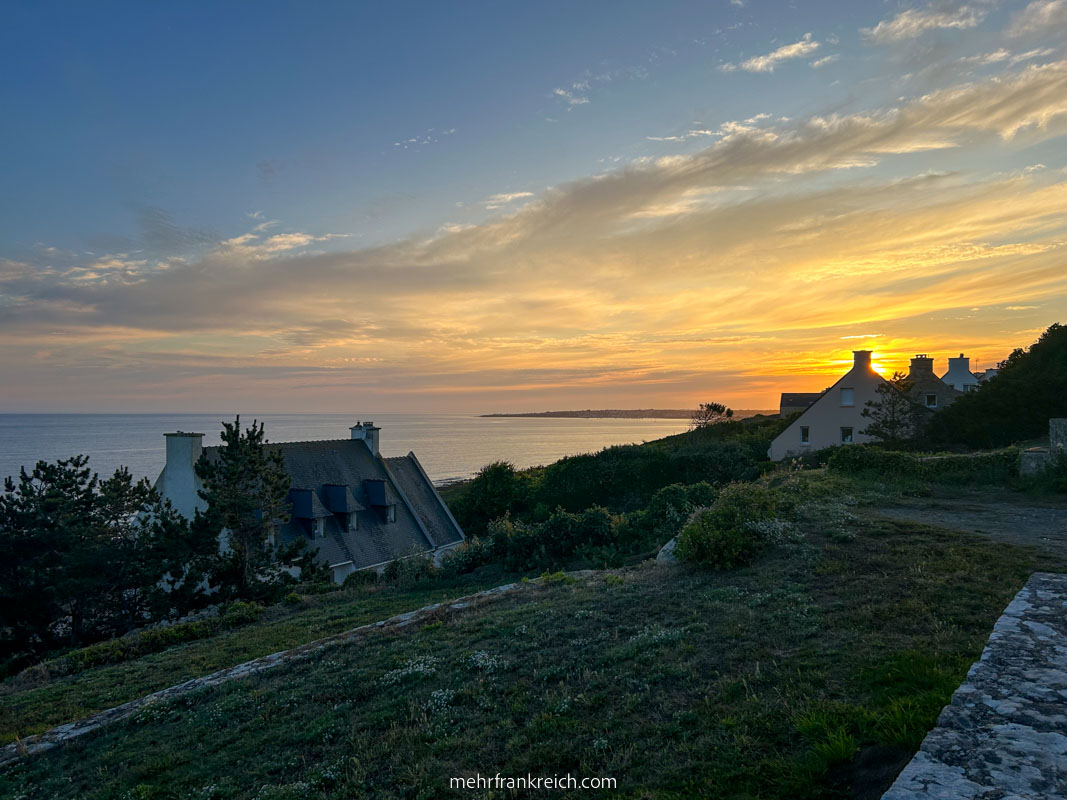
495	206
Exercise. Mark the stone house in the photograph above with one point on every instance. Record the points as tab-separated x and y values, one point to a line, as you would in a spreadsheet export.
928	390
356	509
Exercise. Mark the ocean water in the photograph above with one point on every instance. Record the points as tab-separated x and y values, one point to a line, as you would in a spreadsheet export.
449	446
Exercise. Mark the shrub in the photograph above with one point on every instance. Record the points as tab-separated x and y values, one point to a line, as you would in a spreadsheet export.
978	468
860	459
363	577
732	531
240	613
292	599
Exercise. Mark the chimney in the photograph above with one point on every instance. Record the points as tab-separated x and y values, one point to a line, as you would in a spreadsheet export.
862	359
368	433
959	375
178	482
922	364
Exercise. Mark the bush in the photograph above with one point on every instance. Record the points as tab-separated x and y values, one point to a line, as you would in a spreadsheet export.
861	459
733	530
979	468
363	577
473	553
239	613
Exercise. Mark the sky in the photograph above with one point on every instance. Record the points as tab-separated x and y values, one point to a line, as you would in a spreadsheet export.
484	207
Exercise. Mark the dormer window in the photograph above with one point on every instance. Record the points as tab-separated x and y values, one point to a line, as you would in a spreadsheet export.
353	522
318	528
390	513
847	397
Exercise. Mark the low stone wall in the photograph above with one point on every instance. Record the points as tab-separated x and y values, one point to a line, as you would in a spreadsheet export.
72	730
1004	735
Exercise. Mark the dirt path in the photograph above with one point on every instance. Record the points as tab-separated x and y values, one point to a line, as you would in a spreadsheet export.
1041	525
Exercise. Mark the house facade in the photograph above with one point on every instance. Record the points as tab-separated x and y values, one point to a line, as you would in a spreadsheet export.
836	417
354	508
928	390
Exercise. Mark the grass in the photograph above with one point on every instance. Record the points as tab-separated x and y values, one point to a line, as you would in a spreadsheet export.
772	681
37	701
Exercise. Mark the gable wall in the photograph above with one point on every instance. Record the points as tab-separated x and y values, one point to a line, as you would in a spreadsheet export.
826	416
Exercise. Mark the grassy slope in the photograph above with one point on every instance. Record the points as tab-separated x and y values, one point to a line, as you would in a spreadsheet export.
678	683
48	702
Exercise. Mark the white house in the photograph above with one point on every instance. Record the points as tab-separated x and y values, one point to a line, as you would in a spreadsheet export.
836	417
354	508
959	375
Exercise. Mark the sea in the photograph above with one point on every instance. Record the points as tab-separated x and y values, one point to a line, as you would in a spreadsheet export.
451	447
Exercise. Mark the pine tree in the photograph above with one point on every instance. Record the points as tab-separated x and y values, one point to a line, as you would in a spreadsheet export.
82	559
710	413
246	489
895	417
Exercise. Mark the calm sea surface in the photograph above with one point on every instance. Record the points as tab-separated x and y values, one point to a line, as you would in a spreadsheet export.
450	446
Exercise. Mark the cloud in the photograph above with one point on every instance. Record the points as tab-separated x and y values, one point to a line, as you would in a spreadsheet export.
1040	16
912	22
430	136
822	62
571	97
806	46
498	200
757	249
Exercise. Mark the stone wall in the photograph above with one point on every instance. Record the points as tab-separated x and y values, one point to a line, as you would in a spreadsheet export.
1004	735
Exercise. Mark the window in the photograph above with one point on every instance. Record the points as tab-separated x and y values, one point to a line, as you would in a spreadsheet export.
931	401
320	528
353	522
390	514
846	436
847	397
804	439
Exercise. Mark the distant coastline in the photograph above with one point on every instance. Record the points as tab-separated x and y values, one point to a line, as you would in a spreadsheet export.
630	413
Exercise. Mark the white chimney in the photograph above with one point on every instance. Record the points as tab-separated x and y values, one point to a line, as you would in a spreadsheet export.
368	433
959	375
178	482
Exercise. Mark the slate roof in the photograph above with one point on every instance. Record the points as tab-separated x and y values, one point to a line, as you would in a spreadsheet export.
409	476
799	399
321	467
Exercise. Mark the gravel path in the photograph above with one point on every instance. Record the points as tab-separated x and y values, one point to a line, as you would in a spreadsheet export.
1041	525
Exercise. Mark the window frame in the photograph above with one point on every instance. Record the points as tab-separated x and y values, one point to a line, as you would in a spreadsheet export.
851	397
805	434
851	435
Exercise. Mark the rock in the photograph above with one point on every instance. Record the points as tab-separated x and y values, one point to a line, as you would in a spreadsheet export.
666	556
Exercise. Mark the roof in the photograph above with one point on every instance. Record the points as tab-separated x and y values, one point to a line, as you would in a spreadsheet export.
412	480
799	398
330	481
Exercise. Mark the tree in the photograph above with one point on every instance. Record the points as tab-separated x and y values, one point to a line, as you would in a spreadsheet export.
246	490
81	559
1016	404
709	414
895	418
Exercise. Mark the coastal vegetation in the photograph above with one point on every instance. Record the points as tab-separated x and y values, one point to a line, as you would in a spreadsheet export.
814	670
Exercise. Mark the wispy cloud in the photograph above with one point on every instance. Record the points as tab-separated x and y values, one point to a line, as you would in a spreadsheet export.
1040	16
914	22
573	96
766	63
822	62
499	200
657	275
430	136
